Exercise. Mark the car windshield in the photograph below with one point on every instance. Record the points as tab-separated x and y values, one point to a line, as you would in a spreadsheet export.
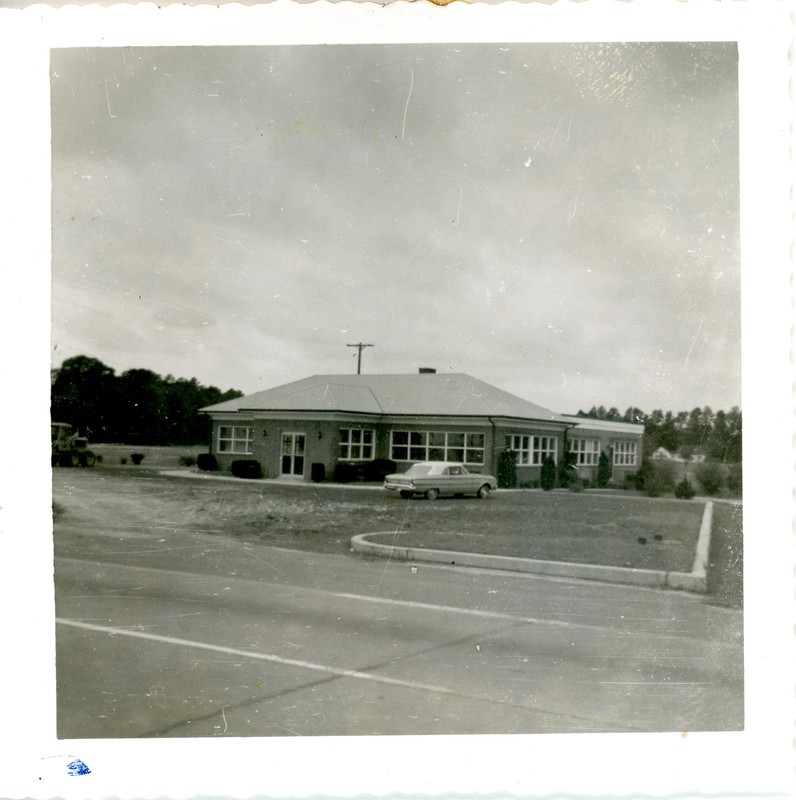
419	469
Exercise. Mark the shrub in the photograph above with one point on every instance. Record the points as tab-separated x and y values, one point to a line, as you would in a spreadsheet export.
735	478
643	475
684	490
603	470
246	468
344	473
137	458
567	474
661	480
318	472
547	479
187	461
711	477
507	470
378	469
207	462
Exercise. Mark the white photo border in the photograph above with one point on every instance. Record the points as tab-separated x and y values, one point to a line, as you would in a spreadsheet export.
758	761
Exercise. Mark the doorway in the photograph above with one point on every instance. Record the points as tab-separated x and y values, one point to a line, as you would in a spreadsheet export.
293	453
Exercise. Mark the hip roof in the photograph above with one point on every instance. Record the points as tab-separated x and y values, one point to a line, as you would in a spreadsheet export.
454	394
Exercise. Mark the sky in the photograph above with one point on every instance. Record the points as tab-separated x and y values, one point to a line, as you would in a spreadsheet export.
559	220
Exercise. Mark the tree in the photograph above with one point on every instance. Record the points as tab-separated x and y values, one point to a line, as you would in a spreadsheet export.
138	407
635	415
142	408
82	394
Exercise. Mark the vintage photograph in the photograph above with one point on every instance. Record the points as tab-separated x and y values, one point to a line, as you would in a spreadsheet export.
396	389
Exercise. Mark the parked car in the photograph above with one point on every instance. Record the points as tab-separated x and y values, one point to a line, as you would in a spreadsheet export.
433	478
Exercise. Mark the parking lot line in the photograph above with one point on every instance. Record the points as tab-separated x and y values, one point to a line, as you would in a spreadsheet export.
290	662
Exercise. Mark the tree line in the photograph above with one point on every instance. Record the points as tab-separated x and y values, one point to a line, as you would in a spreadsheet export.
714	434
141	407
137	407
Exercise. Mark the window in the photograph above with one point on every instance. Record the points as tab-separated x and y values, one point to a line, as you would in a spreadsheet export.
532	450
437	446
356	444
586	451
235	439
625	454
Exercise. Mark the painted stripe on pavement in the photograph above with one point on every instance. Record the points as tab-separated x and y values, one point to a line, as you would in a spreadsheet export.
233	651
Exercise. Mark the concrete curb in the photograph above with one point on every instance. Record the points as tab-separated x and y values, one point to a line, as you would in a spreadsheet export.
695	581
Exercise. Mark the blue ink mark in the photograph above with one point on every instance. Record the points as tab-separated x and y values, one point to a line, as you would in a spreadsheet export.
77	767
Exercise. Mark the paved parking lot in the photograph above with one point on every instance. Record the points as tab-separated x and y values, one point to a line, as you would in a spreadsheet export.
165	630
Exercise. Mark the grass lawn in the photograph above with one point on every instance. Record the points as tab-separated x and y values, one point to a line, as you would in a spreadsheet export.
586	527
591	528
620	529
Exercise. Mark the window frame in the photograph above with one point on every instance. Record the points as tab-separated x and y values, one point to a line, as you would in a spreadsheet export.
625	454
532	448
585	456
436	445
235	440
346	445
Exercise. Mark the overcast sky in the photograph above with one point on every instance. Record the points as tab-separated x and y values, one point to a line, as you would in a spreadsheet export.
558	220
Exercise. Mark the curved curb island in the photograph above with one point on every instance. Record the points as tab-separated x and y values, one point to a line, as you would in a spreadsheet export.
694	581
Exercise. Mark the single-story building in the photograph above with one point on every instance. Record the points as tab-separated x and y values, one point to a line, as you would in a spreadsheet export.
307	429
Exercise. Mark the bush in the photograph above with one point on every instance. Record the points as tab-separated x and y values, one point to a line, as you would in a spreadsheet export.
603	470
547	479
187	461
344	473
207	462
661	480
711	477
643	475
137	458
318	472
507	470
684	490
567	473
246	468
735	478
378	469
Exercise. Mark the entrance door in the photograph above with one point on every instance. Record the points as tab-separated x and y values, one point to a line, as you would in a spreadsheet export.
293	453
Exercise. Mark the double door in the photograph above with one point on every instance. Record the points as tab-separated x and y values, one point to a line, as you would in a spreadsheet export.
293	445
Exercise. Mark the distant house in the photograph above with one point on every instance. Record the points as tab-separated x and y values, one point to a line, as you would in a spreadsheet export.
662	454
696	456
307	429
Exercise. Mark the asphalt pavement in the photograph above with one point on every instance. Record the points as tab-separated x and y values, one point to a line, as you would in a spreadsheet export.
189	633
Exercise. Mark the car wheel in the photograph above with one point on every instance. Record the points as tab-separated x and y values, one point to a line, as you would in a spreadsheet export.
406	495
484	491
432	494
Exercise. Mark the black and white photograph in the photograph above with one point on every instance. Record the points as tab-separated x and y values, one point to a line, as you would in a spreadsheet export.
396	395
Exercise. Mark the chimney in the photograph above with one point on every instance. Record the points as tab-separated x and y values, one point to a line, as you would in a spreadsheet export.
427	370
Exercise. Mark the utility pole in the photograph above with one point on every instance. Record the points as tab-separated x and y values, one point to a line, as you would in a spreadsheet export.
360	347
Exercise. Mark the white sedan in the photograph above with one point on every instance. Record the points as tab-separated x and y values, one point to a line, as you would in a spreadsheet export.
433	478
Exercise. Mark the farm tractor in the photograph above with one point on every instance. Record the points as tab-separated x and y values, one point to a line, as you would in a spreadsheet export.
69	449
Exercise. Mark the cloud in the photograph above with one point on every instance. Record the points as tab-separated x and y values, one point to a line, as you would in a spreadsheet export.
553	218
